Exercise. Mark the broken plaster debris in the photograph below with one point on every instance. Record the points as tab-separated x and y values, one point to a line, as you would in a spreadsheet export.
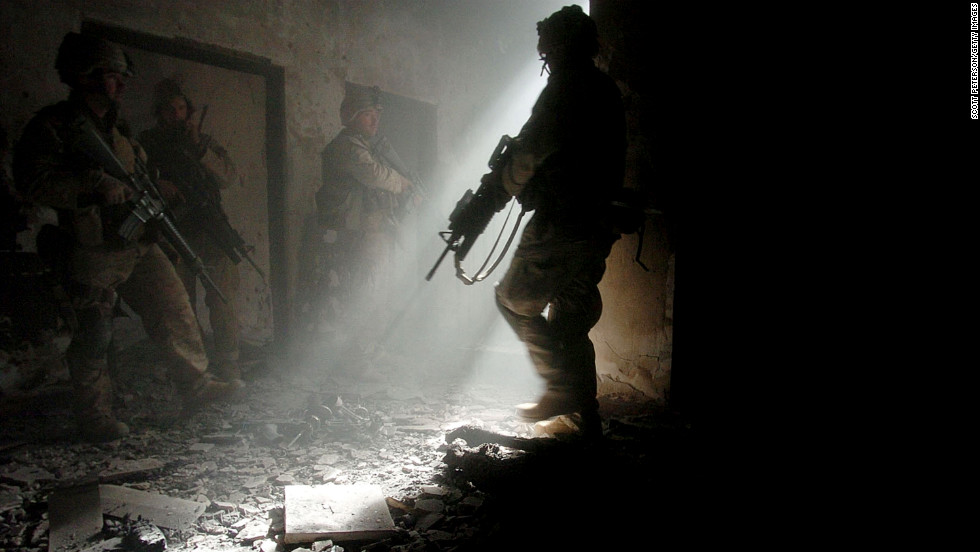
240	481
161	510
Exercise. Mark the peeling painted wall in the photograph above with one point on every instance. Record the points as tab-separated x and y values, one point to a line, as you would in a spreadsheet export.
454	54
635	335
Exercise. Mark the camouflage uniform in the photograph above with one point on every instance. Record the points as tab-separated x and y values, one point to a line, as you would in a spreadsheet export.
209	167
567	162
100	265
357	202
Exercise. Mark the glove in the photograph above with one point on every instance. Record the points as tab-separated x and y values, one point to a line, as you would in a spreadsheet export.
492	192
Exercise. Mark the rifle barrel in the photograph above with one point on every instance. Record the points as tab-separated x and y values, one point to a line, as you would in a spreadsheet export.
438	262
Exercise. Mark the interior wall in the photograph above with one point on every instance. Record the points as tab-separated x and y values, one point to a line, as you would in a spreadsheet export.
459	56
634	338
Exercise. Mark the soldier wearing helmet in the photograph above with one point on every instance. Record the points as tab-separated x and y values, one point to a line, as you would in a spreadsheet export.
356	206
200	169
101	266
566	162
81	55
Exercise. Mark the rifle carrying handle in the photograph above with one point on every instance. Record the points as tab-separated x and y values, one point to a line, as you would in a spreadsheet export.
500	153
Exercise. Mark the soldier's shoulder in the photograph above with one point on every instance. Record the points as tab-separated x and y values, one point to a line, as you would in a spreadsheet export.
57	108
343	143
61	111
54	118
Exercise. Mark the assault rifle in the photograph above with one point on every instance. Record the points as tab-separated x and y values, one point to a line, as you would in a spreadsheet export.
148	206
472	214
206	207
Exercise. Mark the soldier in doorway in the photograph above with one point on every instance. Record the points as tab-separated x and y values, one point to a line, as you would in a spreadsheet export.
199	169
357	209
567	162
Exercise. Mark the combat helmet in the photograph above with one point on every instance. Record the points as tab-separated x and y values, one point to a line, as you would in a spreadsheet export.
165	91
357	99
568	34
80	55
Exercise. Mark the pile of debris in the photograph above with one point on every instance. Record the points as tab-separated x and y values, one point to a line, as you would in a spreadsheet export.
296	468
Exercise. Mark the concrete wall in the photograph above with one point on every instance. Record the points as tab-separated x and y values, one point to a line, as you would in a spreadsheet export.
459	55
635	335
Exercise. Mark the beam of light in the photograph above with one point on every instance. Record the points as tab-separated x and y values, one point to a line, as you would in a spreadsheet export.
453	329
453	333
481	348
489	352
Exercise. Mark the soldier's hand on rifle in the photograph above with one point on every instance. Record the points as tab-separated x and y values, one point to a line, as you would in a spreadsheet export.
113	190
490	179
491	185
171	194
408	199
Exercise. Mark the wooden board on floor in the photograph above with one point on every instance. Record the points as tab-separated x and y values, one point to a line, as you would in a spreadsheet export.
160	510
337	512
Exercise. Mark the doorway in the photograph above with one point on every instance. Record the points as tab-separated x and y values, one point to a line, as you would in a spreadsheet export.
244	95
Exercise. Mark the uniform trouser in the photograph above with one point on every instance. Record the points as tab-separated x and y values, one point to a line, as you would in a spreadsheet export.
223	316
562	275
144	277
371	283
320	277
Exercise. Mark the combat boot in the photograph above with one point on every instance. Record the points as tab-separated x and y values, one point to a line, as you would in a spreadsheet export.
101	429
208	390
225	370
92	390
552	403
589	424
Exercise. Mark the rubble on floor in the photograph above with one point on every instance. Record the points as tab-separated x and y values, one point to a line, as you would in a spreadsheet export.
453	469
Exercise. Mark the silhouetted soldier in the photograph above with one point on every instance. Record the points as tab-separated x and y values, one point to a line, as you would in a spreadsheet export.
566	164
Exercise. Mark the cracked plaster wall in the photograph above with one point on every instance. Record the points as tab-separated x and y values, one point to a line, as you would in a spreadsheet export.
449	53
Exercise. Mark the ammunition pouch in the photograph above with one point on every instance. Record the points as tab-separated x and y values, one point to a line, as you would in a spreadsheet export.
88	225
338	202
